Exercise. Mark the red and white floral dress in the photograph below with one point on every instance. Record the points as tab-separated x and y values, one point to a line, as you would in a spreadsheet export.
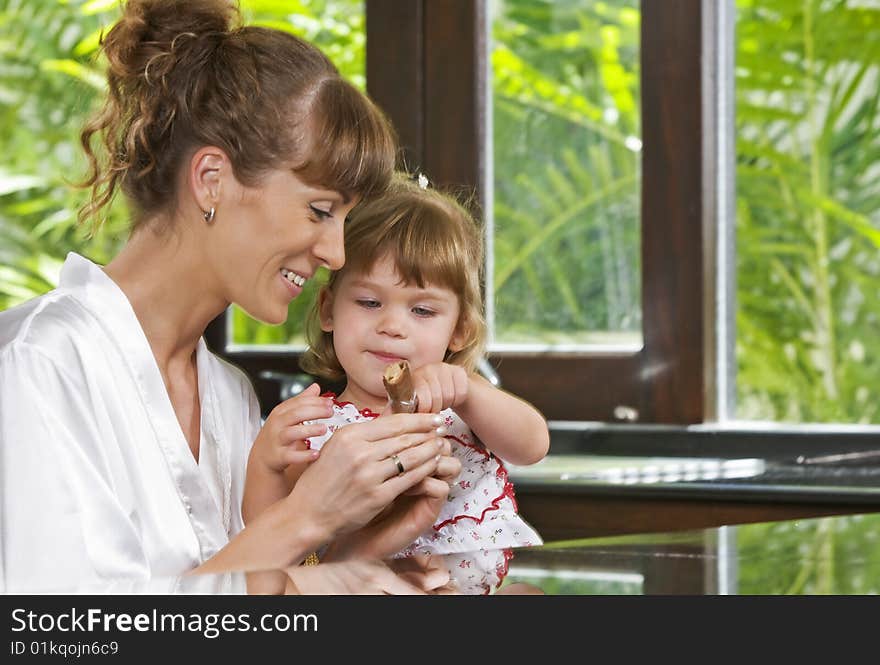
479	524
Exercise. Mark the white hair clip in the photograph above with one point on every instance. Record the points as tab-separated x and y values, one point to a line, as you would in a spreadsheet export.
423	181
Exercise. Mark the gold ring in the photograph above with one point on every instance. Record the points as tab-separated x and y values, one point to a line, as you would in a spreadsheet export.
397	462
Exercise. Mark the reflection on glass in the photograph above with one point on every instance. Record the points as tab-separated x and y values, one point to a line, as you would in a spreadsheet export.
613	470
207	584
565	262
808	210
818	556
826	555
586	582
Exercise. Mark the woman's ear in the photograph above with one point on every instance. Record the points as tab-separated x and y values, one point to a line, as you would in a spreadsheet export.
325	309
208	168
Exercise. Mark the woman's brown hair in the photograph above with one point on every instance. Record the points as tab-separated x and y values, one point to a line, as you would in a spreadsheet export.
432	239
185	74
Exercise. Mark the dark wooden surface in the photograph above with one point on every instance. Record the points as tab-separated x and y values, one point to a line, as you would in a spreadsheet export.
455	52
671	367
575	387
564	516
396	70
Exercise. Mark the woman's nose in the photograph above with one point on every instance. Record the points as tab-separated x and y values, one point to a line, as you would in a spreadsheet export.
330	248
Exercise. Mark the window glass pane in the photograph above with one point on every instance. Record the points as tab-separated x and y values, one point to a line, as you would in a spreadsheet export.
337	27
808	210
565	251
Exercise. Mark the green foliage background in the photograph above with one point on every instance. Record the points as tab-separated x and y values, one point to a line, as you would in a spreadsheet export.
808	210
566	173
567	170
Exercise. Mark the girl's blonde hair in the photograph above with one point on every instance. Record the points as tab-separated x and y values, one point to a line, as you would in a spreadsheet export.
433	239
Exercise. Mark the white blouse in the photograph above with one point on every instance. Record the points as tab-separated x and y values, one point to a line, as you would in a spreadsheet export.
97	482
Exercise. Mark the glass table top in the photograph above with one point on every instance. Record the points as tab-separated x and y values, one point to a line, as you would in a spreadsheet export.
828	555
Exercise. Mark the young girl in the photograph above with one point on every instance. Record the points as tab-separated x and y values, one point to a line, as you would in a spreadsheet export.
411	290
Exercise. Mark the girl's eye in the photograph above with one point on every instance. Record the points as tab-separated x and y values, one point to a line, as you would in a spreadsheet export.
422	311
367	303
320	214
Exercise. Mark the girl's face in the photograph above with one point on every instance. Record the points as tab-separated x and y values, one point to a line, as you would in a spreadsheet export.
376	319
277	235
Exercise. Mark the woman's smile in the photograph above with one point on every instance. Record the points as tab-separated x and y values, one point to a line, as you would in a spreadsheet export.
293	282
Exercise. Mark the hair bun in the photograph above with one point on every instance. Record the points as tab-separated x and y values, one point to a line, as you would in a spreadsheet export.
149	28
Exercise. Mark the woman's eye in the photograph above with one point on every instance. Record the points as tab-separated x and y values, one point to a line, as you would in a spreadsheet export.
422	311
367	303
320	214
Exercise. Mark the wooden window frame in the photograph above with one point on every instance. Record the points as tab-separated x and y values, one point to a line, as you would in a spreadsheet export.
426	67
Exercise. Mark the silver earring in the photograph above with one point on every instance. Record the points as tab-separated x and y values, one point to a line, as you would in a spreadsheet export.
209	215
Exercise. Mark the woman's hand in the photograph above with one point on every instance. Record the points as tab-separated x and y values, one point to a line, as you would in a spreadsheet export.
363	467
357	577
426	571
282	439
406	519
448	469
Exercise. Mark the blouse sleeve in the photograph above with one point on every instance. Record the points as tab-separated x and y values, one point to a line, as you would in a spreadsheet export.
62	524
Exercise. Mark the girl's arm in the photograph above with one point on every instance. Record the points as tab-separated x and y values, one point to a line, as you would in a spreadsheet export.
508	426
281	443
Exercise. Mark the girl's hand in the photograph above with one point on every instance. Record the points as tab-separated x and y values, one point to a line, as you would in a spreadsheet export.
282	439
440	386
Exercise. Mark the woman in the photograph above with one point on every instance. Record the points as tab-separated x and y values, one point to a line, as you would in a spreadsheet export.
124	440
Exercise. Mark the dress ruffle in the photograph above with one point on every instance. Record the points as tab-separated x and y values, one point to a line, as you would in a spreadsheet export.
479	523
